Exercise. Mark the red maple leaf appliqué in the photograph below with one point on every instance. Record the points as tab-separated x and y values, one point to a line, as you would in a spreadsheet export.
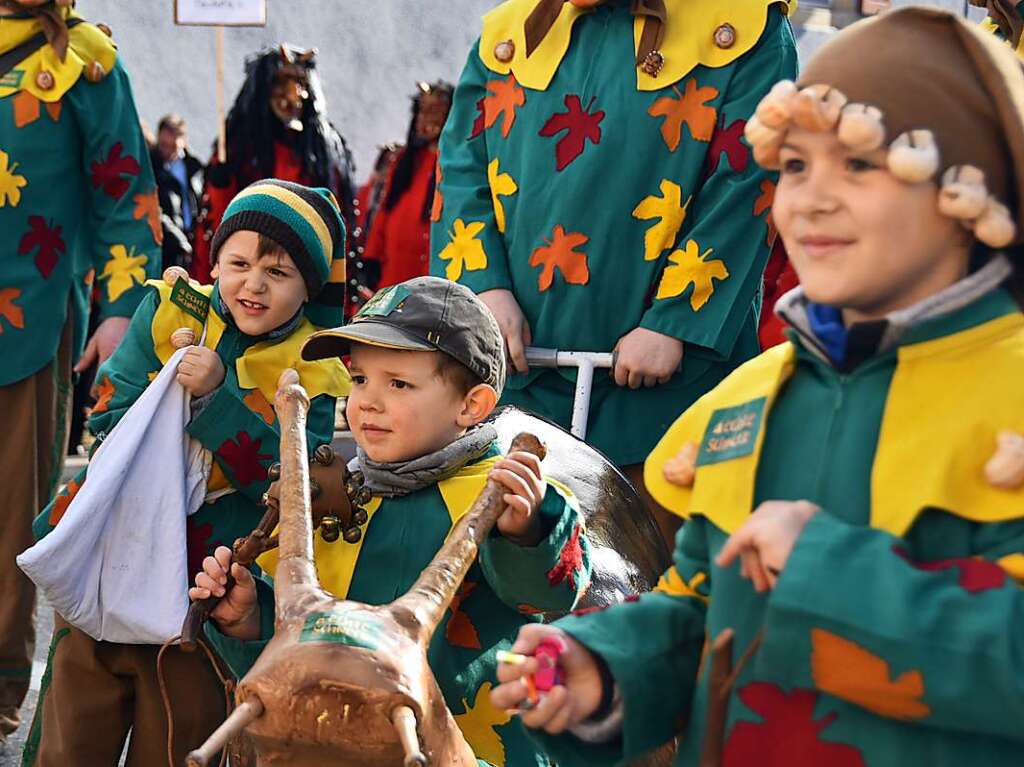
976	575
788	734
728	141
460	631
479	124
110	173
570	560
580	124
198	545
45	237
243	457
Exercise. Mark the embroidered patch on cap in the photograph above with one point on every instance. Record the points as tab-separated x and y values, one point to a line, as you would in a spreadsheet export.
190	300
384	302
732	432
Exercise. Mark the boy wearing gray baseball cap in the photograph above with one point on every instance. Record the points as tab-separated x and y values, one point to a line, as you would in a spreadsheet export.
428	365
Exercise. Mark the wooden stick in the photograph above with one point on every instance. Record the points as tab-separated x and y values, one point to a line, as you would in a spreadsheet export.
405	724
246	713
222	138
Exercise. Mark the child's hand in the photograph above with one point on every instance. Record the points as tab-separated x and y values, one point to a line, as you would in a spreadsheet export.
237	614
764	542
564	706
520	474
200	370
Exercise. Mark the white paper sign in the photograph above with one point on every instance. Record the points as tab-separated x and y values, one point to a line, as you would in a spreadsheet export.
229	13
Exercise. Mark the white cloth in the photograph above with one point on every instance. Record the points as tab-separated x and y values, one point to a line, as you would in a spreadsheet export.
116	564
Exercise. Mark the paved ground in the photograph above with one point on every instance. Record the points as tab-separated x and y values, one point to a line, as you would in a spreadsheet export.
11	755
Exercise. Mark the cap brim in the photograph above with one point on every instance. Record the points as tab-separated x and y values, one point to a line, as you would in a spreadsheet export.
338	341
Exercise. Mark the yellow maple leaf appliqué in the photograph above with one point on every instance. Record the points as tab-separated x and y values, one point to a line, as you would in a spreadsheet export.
478	724
671	210
690	266
848	671
10	183
123	270
464	251
502	185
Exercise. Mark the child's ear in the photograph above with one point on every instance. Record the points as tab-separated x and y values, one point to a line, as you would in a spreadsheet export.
215	272
477	405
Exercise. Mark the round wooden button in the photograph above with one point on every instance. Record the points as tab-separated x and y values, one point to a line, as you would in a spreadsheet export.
504	51
725	36
45	80
95	72
105	30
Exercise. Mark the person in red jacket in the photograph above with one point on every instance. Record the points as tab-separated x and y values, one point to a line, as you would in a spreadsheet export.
399	236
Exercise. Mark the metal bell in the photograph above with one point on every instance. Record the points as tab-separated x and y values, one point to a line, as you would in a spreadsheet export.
330	529
324	455
274	472
364	496
359	517
353	535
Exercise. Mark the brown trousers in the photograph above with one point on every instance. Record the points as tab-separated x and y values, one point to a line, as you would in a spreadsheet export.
34	414
93	693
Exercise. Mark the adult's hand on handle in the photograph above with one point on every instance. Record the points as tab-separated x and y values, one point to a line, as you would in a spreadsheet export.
514	327
646	358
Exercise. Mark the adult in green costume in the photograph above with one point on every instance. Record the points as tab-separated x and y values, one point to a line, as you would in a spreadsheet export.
595	190
79	217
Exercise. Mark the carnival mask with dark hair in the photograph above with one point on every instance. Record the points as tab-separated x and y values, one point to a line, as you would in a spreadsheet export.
290	89
434	101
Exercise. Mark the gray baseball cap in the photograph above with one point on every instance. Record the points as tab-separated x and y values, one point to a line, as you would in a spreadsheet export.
422	314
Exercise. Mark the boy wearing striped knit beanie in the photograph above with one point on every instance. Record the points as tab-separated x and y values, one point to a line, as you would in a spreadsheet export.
280	266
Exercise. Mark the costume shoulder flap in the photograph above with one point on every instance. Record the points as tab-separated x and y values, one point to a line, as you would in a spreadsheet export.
712	33
707	461
91	53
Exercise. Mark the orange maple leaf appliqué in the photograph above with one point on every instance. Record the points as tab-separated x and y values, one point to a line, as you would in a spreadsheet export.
148	206
504	97
561	252
460	631
846	670
9	310
105	392
764	203
258	404
690	108
62	501
437	208
27	109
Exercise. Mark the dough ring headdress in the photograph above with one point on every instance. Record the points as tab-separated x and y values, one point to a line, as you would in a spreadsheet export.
945	98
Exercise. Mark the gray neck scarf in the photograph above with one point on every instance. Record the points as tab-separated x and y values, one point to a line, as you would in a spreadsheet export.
402	478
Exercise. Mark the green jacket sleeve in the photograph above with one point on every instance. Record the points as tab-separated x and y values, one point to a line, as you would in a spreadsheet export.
466	192
125	212
243	444
723	249
550	576
650	645
936	643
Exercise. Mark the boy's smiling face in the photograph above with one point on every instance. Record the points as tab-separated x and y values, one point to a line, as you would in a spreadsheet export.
859	238
401	406
261	290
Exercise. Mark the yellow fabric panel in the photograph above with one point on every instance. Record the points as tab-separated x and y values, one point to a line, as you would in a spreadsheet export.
170	317
689	39
722	492
335	562
947	433
1014	566
261	365
86	44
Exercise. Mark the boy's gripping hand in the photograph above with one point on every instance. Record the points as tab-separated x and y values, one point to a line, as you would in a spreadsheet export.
520	474
237	614
200	371
565	705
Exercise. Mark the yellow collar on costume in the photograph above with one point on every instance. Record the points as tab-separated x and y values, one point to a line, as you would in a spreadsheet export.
87	44
259	366
336	562
689	38
938	424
